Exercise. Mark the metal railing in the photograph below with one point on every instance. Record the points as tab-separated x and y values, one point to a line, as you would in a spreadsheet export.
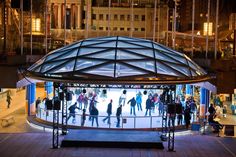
126	122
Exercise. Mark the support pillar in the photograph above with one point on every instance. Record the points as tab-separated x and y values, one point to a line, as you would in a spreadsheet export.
48	89
30	97
179	89
189	90
204	101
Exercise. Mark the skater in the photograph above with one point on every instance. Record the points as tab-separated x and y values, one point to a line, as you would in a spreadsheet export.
118	114
94	114
109	112
139	101
132	106
72	109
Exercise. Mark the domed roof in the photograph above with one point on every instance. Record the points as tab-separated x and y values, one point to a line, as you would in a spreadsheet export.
117	60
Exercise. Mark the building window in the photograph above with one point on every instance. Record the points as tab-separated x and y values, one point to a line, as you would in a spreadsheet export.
128	29
107	17
135	29
136	17
122	28
208	27
142	29
36	25
115	17
101	17
100	28
122	17
94	16
114	28
143	17
128	17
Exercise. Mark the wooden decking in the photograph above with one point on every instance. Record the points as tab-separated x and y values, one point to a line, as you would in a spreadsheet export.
191	145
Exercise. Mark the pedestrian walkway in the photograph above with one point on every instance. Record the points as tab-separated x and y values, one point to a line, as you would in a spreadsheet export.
18	111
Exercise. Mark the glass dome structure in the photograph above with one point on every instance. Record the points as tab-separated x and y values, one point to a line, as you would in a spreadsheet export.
119	60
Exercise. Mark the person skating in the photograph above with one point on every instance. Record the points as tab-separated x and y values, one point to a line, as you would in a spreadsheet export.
109	112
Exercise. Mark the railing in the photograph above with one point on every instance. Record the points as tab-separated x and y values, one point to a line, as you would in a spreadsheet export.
126	122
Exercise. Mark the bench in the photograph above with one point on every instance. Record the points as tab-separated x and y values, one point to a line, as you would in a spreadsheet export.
6	121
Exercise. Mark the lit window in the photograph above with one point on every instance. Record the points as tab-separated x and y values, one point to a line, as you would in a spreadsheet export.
207	27
36	25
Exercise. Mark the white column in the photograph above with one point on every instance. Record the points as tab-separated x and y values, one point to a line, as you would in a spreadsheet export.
154	20
216	28
208	19
109	18
65	22
193	20
79	16
59	15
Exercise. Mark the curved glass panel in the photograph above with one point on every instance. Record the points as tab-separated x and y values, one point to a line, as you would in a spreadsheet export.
122	54
85	63
122	44
68	67
49	66
144	52
89	50
163	69
159	55
103	55
106	70
146	65
122	71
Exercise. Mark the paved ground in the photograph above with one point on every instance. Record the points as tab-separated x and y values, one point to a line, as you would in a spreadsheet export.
20	139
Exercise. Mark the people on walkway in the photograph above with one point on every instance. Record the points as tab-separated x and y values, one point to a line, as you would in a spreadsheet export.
180	117
132	106
109	112
160	107
37	102
187	117
118	114
139	100
72	109
211	109
83	118
8	99
148	105
94	115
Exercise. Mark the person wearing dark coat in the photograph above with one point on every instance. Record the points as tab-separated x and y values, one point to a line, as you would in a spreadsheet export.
118	114
94	114
109	112
72	109
148	105
215	124
212	109
187	117
132	106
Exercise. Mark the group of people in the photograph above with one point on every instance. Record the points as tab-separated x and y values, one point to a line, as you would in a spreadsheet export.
152	102
93	112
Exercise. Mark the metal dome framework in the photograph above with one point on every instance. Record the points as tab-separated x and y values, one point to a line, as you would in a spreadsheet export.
117	60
